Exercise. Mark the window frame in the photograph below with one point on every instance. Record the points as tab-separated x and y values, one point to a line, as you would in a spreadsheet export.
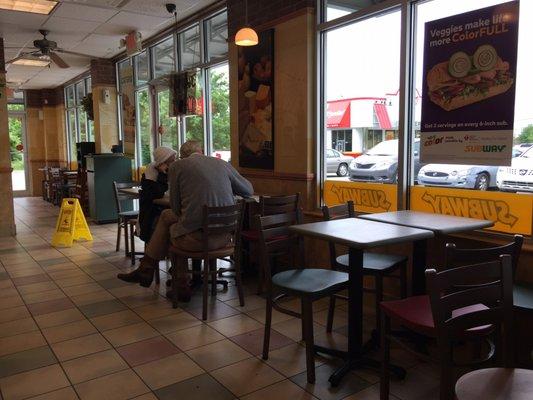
406	123
77	109
203	66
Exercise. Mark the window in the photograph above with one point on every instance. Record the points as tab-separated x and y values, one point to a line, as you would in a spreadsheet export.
359	103
202	45
79	127
168	130
144	125
217	36
503	194
163	56
219	111
189	42
142	69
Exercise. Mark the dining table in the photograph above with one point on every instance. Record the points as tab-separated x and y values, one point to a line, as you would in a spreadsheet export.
358	235
496	384
132	191
439	224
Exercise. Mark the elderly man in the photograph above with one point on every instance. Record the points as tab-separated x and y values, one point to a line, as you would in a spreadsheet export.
195	180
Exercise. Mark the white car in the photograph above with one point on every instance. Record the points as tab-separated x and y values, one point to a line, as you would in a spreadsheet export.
479	177
519	176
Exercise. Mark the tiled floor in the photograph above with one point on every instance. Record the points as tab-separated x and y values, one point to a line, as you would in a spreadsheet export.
69	329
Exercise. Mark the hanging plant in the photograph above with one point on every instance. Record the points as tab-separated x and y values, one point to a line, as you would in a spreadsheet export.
87	104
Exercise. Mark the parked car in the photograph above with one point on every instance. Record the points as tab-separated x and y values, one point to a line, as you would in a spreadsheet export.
337	163
519	176
480	177
380	163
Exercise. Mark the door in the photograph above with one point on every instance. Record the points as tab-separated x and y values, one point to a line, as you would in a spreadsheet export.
18	152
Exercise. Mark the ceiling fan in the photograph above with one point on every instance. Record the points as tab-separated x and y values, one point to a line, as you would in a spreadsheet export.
47	50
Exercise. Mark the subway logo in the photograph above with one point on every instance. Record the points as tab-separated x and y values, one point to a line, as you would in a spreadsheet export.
493	210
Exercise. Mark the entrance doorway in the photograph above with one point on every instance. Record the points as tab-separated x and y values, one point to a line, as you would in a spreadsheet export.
18	152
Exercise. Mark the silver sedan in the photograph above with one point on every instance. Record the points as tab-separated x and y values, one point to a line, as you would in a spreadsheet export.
337	163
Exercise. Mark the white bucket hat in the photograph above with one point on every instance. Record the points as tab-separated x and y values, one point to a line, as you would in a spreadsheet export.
162	154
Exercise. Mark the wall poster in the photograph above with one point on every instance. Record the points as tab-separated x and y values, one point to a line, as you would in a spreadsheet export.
256	108
127	92
469	87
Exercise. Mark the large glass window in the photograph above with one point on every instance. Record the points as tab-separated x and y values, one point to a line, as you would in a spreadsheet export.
370	85
142	68
189	42
202	45
144	125
167	129
217	36
79	127
361	99
163	56
219	111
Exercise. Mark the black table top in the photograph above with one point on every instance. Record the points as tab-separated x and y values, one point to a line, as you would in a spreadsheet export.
438	223
360	233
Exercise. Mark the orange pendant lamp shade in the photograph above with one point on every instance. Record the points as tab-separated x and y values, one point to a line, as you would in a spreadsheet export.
246	37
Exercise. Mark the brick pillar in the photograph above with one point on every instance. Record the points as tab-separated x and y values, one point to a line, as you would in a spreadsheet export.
105	114
7	214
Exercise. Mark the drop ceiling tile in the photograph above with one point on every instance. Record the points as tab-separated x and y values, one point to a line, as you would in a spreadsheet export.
78	11
138	21
22	19
69	25
157	7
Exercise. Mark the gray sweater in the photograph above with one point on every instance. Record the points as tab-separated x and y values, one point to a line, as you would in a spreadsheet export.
200	180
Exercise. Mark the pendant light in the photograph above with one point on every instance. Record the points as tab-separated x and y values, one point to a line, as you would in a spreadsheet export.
246	36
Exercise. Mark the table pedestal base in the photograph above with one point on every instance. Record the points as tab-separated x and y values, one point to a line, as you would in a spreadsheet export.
355	363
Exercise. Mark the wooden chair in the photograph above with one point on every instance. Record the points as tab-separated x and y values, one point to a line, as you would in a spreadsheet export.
124	216
522	292
55	182
377	265
453	313
306	284
268	205
217	221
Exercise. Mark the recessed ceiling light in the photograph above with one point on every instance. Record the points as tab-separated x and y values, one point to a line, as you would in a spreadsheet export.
31	62
32	6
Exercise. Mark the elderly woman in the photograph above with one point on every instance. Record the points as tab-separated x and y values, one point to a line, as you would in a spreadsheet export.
154	184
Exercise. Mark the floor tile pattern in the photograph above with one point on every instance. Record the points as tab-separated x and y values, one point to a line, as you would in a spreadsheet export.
70	330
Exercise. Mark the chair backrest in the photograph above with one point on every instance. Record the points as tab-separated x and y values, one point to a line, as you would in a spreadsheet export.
221	221
457	308
276	240
119	196
272	205
340	211
455	257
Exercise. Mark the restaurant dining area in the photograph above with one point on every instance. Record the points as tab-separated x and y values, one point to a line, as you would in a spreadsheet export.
255	200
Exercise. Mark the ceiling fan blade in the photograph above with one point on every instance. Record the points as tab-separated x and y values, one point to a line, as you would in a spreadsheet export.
21	56
58	60
14	59
74	53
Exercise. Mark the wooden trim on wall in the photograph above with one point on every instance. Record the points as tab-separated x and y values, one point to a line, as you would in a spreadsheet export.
284	176
6	170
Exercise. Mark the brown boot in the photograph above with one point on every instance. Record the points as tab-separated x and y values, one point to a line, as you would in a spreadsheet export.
132	276
146	270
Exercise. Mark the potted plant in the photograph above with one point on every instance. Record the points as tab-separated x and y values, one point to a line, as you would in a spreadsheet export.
87	104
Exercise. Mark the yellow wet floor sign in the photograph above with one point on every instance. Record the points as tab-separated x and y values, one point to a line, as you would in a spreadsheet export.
71	224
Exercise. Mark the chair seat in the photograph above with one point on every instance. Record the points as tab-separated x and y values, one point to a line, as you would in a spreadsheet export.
217	253
311	281
129	214
415	313
523	296
374	263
